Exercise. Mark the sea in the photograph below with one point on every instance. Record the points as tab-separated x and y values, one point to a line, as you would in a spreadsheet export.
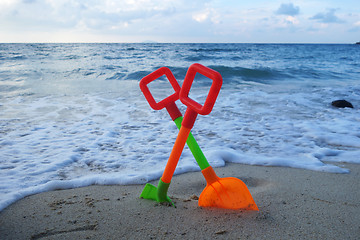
73	115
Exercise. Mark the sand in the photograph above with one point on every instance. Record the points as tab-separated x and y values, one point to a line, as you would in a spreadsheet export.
293	203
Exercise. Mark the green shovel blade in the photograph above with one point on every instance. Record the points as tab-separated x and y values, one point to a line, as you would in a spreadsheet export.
158	193
149	192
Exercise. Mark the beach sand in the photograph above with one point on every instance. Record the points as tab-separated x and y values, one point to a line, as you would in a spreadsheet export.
293	203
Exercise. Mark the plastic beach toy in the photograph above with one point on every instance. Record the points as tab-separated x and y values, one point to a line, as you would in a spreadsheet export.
229	193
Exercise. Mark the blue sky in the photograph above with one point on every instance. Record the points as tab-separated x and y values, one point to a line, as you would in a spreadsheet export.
301	21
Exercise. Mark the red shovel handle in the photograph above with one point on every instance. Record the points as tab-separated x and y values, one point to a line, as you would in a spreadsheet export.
168	102
194	107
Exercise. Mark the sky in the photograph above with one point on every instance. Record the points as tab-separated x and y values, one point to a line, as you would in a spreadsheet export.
235	21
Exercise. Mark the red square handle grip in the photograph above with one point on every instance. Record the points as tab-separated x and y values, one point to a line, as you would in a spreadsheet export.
153	76
213	92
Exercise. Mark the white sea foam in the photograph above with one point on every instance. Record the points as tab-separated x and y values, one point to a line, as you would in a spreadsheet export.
59	142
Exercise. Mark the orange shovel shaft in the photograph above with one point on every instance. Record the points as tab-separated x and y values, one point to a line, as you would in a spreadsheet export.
175	154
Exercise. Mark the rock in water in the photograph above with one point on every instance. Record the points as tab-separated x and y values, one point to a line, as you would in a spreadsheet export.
342	104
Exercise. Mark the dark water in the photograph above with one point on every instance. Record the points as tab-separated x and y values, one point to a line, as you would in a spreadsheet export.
80	68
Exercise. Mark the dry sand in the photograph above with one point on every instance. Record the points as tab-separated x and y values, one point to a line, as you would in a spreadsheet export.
293	203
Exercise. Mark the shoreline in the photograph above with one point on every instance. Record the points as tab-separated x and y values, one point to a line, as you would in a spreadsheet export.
293	204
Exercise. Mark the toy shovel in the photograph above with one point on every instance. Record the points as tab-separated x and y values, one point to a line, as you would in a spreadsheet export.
230	193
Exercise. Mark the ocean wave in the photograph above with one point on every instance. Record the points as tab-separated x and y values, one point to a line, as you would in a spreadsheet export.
110	67
212	50
202	57
8	88
137	75
117	76
228	73
179	72
72	57
113	57
15	57
250	74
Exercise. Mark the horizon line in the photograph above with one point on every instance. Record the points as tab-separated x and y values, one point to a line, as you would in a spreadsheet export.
154	42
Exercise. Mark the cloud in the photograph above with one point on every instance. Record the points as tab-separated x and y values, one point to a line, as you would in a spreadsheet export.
81	15
168	20
327	17
201	16
288	9
209	14
356	27
292	20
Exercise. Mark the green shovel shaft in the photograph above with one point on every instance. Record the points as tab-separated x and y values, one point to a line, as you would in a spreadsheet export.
194	147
